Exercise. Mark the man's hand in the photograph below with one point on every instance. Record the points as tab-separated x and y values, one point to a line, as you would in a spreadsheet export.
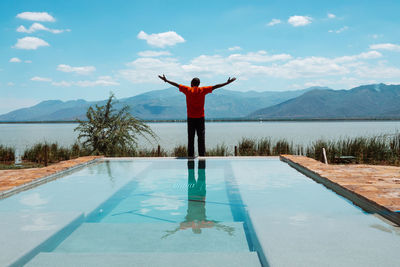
166	80
223	84
230	80
163	77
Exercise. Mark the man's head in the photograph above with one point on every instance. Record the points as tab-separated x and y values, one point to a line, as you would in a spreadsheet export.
195	82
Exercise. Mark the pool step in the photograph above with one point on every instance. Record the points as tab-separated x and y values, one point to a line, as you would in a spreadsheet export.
248	259
156	237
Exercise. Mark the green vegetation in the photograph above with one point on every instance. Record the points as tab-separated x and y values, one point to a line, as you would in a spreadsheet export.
45	153
264	147
218	151
367	150
23	165
151	153
180	151
7	154
110	132
247	147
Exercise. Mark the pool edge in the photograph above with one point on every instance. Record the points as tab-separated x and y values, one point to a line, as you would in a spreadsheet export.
357	199
45	179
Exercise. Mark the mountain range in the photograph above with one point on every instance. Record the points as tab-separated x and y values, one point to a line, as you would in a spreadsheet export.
374	101
167	104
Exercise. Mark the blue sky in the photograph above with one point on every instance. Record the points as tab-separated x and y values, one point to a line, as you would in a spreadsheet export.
85	49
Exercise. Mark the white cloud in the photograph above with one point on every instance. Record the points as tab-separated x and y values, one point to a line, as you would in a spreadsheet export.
308	67
297	21
15	60
369	55
61	84
10	84
260	56
379	71
331	16
151	53
40	79
344	28
386	46
36	16
366	55
161	39
313	84
30	43
84	70
144	70
234	48
210	65
256	65
38	27
376	36
274	22
101	81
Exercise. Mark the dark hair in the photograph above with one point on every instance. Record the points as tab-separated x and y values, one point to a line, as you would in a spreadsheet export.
195	82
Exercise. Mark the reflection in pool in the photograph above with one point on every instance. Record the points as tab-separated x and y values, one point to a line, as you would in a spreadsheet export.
196	216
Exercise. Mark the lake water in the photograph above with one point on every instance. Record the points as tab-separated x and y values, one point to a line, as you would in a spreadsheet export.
171	134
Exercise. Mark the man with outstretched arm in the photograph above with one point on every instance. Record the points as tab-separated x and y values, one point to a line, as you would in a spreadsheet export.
195	97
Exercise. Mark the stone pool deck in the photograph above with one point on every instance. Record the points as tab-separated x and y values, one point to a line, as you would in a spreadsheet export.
375	188
10	179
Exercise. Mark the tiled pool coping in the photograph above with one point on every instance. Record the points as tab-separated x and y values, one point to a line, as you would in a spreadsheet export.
374	188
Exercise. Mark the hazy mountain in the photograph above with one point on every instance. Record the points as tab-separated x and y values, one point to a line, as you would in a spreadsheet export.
159	104
367	101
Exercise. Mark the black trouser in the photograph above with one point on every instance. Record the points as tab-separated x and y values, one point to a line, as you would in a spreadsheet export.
196	125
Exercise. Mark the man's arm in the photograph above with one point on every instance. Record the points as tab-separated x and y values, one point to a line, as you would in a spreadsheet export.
223	84
167	81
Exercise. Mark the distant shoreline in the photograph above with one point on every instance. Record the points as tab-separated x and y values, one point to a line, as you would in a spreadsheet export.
219	120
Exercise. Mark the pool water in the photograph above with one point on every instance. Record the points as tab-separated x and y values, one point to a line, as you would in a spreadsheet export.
167	208
177	212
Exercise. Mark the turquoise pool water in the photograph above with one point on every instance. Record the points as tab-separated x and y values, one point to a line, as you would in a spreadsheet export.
175	212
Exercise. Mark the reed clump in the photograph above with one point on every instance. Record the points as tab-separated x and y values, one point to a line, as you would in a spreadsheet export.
7	154
145	152
266	147
282	146
218	151
314	150
247	147
180	151
45	153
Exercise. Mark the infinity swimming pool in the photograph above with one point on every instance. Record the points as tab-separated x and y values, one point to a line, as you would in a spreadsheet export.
177	212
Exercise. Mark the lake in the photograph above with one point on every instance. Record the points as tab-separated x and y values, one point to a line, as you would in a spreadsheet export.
171	134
